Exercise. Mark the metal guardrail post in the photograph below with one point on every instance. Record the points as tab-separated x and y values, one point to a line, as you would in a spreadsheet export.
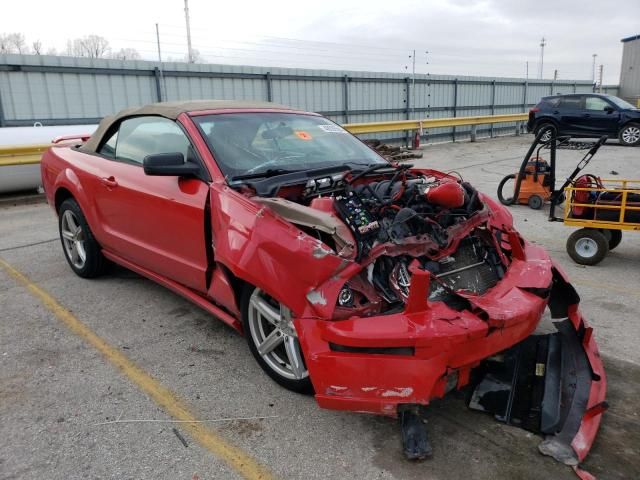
473	132
345	98
267	78
493	103
455	106
2	119
156	74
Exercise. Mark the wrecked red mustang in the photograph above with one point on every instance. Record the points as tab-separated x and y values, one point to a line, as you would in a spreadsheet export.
378	286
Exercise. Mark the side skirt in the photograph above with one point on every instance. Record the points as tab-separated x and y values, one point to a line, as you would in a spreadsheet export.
175	287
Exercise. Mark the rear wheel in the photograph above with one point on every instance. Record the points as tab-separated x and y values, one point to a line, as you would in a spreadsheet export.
630	135
548	129
506	180
614	237
273	340
82	251
587	246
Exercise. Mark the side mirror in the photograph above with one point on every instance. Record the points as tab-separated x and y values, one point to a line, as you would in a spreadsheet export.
169	165
609	109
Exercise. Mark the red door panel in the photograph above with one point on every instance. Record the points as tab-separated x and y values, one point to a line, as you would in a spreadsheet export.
155	222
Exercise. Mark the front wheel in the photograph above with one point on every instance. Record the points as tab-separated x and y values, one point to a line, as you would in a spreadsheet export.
587	246
273	340
630	135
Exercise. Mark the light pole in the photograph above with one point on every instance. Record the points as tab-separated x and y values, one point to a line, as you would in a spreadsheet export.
186	16
543	42
593	68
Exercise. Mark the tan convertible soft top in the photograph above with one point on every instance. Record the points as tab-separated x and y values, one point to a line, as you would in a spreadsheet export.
172	110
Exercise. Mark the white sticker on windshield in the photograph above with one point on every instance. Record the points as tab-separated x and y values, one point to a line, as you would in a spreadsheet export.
331	128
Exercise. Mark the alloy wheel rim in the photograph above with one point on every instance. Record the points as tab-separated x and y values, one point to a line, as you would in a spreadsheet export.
546	136
586	247
73	239
274	336
631	135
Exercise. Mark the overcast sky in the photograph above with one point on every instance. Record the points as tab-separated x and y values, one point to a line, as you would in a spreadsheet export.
463	37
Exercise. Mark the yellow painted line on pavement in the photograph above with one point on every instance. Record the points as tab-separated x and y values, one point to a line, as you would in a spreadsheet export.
236	458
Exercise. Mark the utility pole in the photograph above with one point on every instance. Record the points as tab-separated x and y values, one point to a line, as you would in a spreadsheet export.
593	68
527	69
543	42
160	61
186	16
600	78
413	82
555	75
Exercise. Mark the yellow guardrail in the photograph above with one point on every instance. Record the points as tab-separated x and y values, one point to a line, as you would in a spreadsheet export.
30	154
402	125
22	154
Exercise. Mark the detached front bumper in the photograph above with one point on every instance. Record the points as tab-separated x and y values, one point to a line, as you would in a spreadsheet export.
374	364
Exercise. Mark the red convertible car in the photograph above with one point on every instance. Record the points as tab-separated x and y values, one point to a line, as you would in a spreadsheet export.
377	286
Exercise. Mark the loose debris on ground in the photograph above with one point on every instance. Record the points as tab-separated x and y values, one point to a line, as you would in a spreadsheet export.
391	152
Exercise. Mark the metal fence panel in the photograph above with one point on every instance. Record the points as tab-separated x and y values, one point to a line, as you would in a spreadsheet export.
64	90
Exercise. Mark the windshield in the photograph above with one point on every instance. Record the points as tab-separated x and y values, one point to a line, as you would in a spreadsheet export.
255	143
620	103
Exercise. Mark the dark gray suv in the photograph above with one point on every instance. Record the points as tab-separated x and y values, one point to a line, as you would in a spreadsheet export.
586	115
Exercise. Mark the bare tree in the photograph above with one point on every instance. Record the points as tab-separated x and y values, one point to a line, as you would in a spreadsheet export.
37	47
13	43
92	46
127	54
196	57
5	46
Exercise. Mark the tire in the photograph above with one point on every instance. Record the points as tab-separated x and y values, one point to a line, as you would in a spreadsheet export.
630	135
535	202
549	129
277	362
614	237
587	246
505	200
82	251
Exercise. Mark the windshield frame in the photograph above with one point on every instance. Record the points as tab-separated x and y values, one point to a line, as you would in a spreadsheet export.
196	119
620	103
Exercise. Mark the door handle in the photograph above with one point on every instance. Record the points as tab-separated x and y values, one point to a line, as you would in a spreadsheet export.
109	182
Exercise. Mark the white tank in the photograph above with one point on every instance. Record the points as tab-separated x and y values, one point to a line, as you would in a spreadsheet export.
27	177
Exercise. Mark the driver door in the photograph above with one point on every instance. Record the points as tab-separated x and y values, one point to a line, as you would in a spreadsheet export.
155	222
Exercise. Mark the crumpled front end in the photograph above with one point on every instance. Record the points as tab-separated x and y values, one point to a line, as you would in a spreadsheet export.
375	363
406	284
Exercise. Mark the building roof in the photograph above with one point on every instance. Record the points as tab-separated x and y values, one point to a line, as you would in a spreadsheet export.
630	39
172	110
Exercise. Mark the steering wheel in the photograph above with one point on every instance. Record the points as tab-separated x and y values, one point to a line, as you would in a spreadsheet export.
276	159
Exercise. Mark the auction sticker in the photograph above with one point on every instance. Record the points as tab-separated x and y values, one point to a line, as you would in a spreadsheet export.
331	128
302	135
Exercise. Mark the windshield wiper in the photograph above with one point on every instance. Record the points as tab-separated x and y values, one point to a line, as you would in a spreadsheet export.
379	166
272	172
